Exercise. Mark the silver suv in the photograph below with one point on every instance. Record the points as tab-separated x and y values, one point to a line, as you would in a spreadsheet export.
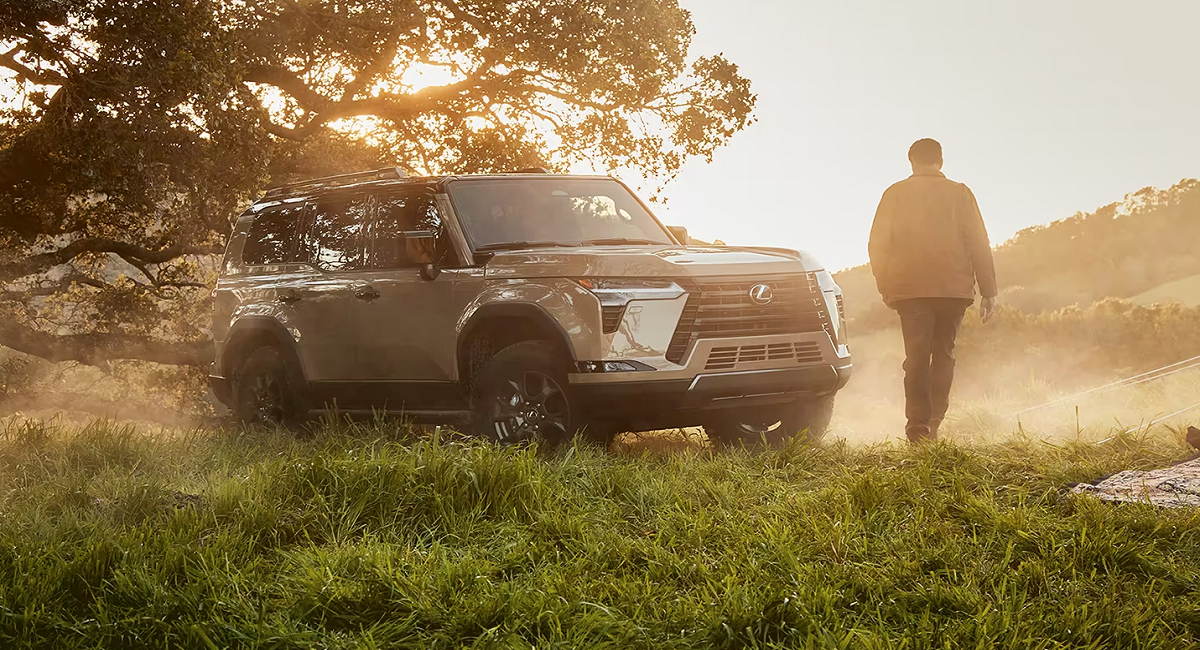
520	306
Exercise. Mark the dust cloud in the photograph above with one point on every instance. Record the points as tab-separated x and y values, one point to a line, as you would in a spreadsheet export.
993	388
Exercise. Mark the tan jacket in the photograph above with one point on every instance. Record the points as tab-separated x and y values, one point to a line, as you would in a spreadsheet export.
929	241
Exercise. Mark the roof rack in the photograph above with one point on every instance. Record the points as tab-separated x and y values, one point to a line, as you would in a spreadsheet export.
335	180
531	170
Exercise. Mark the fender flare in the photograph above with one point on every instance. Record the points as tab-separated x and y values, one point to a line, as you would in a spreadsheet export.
253	326
510	310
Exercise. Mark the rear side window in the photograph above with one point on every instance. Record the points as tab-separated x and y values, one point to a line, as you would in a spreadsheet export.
272	236
333	240
396	215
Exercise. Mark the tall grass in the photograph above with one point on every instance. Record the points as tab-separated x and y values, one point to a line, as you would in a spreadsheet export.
367	536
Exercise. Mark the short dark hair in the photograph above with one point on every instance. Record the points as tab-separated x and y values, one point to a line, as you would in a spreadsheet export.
925	152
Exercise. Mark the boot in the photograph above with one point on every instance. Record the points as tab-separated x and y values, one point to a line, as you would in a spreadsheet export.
934	425
919	433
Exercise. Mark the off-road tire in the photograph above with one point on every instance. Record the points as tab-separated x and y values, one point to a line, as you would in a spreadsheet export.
268	390
519	371
806	418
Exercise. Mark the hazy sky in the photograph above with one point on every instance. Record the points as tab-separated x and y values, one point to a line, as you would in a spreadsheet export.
1044	108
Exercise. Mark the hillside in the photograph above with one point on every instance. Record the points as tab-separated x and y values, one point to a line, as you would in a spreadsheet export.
1120	251
1185	292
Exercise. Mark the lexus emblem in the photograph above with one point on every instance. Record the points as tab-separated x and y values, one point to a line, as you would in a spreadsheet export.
762	294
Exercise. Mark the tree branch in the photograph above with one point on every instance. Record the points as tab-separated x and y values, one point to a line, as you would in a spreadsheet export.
45	77
289	83
481	26
287	133
45	261
376	67
98	348
141	267
44	290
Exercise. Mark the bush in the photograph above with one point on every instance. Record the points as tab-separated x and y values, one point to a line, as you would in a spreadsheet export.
1109	336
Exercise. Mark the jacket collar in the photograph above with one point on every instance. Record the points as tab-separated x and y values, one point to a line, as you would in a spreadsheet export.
929	173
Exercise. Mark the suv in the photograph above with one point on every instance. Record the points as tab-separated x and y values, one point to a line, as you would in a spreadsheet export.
523	305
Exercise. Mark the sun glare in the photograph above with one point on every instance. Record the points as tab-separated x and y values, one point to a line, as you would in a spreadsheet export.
423	75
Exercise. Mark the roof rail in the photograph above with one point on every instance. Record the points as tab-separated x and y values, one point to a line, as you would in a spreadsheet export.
335	180
531	170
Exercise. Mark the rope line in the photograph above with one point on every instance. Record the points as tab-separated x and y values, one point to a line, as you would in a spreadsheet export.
1121	383
1179	412
1165	374
1165	417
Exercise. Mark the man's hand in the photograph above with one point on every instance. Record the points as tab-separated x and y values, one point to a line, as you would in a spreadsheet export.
987	309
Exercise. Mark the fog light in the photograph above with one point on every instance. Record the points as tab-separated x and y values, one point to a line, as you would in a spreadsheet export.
613	366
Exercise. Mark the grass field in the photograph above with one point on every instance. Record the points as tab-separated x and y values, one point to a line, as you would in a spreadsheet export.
1185	292
365	537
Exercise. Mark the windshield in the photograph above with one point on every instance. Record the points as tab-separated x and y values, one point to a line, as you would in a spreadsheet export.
553	211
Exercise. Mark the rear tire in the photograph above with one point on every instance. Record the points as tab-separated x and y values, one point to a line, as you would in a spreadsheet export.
522	395
268	390
806	418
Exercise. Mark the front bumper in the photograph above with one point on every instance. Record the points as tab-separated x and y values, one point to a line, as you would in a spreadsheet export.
651	399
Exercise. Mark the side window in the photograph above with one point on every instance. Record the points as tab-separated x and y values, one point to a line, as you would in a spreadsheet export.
333	240
272	236
400	213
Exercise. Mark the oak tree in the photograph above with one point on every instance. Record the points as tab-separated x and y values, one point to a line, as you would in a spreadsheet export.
133	131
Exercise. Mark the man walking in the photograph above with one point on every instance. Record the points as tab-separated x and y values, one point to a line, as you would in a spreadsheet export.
928	250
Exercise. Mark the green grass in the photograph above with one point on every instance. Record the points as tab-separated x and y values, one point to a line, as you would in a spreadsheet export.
1185	292
364	537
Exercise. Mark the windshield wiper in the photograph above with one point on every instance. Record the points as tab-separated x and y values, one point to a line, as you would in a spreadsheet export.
518	245
616	241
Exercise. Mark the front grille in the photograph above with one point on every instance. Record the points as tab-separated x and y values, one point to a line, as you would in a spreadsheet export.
610	317
722	308
729	358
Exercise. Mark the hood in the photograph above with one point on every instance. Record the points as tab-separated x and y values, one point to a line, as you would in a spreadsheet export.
649	261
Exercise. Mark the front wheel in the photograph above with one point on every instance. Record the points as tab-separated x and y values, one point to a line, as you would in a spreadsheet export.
806	418
521	394
267	390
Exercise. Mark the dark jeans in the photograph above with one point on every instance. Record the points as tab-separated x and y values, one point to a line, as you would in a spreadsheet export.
930	326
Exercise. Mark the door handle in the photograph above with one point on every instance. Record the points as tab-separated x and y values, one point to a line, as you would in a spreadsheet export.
367	293
289	296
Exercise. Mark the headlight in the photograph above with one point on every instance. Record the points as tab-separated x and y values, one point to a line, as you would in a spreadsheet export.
833	305
825	281
619	291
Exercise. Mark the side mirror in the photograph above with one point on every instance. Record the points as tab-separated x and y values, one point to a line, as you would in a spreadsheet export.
680	233
421	246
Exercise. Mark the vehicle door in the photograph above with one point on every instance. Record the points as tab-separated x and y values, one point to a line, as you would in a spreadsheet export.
321	298
413	317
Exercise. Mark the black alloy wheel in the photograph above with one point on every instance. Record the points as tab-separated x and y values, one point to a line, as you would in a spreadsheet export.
266	390
533	406
521	395
265	399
